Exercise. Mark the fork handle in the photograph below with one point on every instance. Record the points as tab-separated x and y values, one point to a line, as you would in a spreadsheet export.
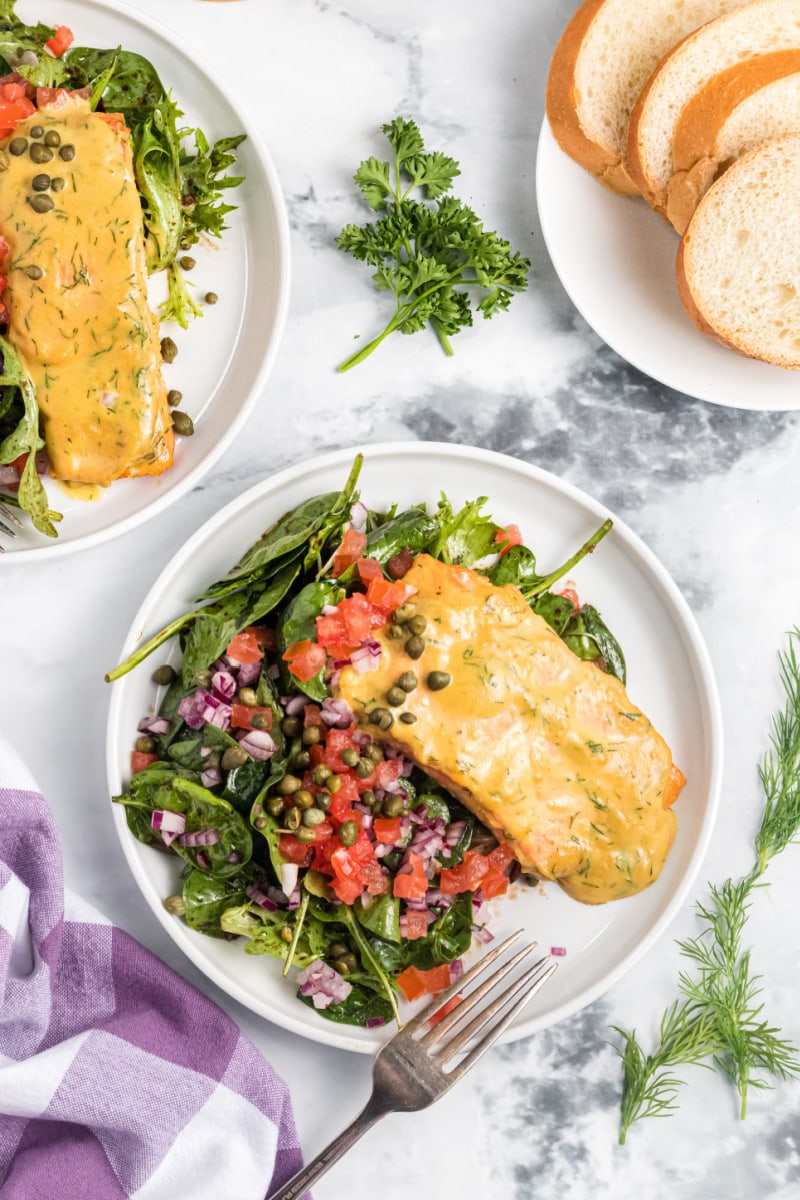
308	1175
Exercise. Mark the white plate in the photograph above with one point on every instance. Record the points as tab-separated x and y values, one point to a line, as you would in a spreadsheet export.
616	260
669	677
225	355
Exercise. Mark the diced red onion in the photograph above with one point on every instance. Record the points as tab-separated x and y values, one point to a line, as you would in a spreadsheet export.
154	725
358	516
336	713
455	832
294	900
294	705
366	657
328	610
333	678
211	777
234	857
360	737
167	821
456	970
202	706
382	849
338	664
438	899
289	872
324	985
223	685
558	951
258	744
9	474
374	1022
248	673
202	860
260	898
483	934
200	837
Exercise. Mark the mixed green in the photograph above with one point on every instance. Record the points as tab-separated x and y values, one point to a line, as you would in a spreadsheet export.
718	1019
298	830
430	250
182	182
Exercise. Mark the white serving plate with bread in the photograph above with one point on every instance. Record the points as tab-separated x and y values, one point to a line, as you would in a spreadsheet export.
727	93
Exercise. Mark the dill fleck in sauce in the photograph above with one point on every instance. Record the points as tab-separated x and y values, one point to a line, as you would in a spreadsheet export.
77	300
544	748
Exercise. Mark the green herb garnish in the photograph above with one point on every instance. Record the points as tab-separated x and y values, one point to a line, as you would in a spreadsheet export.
430	252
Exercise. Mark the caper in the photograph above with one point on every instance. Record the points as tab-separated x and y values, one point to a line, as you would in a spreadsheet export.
313	816
41	203
396	696
293	819
311	735
145	744
5	161
52	138
260	822
418	625
18	145
39	153
34	272
437	680
398	631
260	721
304	834
407	681
211	297
37	131
377	715
291	726
289	785
404	612
348	833
182	423
324	800
234	757
202	678
321	774
387	720
333	784
340	965
57	184
247	695
374	752
408	718
286	933
169	351
338	950
213	760
302	760
364	768
304	799
393	806
187	263
275	806
40	183
67	152
174	397
174	905
415	647
350	961
164	675
350	757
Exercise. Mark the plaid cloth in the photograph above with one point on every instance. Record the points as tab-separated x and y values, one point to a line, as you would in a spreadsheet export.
117	1078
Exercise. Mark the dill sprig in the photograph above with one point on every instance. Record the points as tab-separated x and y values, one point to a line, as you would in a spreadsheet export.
718	1018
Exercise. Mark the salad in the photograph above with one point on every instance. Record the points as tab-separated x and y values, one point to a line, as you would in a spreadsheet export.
81	351
304	833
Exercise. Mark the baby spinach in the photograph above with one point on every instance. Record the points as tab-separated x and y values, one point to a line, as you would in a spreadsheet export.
412	529
24	438
589	638
298	622
380	915
362	1005
207	897
448	937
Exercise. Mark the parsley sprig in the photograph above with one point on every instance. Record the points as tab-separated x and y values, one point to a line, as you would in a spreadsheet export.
718	1018
431	252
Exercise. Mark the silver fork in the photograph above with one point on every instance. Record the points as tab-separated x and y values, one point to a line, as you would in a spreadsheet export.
408	1072
6	515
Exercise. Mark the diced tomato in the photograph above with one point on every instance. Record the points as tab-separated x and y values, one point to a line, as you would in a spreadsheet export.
331	630
508	537
466	876
386	772
416	925
62	40
500	857
266	637
295	851
140	762
244	648
242	716
57	97
416	983
14	111
346	890
388	596
305	659
387	829
352	547
369	568
493	884
356	614
413	884
312	715
340	739
571	595
377	883
444	1010
342	801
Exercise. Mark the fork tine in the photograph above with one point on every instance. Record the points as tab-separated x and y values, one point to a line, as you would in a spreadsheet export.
491	1037
10	515
466	1005
431	1009
7	529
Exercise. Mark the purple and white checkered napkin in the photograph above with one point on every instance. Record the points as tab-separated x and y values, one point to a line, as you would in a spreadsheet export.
117	1078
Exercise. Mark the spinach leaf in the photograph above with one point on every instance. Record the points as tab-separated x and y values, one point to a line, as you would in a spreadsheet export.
413	529
207	897
448	937
186	753
380	915
558	611
243	784
361	1005
435	806
517	565
298	623
132	88
25	438
589	637
368	959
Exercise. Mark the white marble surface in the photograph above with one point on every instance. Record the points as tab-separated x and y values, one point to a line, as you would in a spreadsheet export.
713	491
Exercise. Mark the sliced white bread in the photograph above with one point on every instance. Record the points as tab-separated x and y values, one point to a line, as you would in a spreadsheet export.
760	27
734	112
603	60
738	265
